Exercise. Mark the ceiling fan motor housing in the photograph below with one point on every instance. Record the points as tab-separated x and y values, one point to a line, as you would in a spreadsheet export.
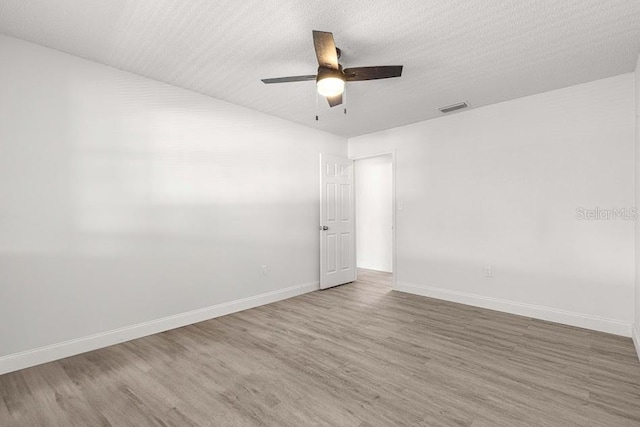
324	73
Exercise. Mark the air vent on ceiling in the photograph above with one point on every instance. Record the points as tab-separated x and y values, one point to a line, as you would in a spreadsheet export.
454	107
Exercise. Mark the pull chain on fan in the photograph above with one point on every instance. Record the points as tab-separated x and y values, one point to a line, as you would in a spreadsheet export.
345	101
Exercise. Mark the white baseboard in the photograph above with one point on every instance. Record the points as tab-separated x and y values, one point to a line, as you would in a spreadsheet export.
636	339
25	359
580	320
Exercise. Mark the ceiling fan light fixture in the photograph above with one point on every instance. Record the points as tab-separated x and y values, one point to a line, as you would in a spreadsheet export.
330	86
330	82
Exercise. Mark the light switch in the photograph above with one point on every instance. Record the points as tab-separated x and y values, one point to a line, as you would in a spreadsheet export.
488	271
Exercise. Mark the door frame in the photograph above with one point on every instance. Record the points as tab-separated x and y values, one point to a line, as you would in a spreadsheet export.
392	152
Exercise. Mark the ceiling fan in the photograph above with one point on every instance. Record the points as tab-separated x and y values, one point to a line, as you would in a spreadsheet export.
331	77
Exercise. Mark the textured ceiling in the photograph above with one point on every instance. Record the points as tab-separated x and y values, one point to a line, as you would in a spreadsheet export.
481	52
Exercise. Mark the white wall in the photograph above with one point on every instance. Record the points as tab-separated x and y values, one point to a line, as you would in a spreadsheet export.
124	200
636	335
374	211
500	185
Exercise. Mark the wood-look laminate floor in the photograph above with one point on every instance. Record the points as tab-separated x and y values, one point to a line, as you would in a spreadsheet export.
356	355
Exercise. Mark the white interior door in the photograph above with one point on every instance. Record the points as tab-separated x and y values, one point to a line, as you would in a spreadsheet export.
337	222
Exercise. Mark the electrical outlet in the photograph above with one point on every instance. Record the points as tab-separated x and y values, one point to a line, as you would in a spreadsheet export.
488	271
265	270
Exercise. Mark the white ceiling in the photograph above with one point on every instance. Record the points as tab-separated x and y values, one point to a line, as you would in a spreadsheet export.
481	52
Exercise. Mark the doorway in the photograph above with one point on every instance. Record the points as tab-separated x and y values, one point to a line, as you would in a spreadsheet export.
374	199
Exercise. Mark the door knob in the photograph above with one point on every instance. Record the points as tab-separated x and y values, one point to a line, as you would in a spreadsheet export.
324	228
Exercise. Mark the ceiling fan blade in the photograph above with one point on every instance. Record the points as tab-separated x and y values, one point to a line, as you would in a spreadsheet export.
372	73
334	100
289	79
325	49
